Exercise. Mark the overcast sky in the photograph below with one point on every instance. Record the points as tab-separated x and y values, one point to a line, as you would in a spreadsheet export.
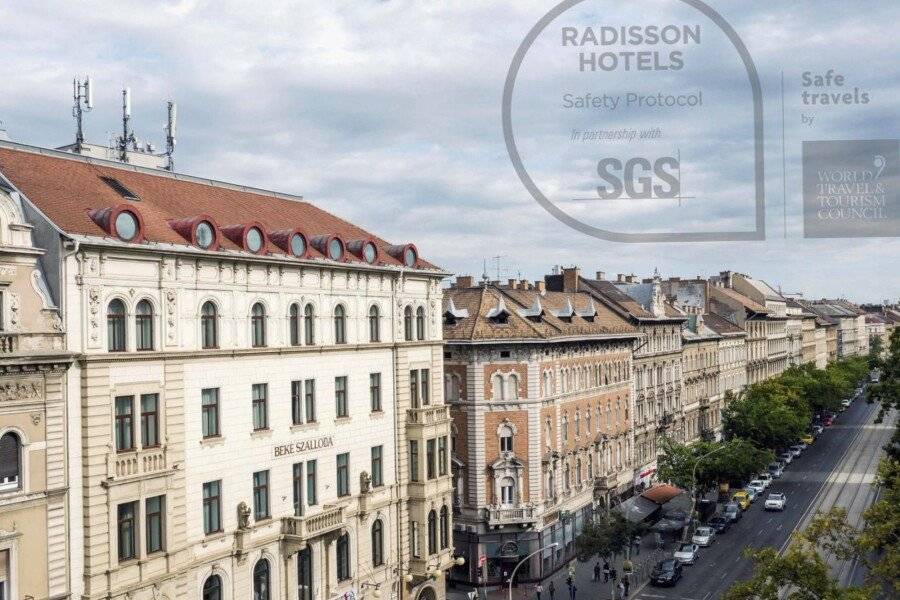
389	115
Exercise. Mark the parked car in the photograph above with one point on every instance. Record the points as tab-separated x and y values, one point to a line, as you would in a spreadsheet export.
757	486
828	421
776	470
766	479
796	450
751	493
786	457
732	512
776	501
666	572
742	499
807	439
846	402
817	429
720	523
686	553
704	536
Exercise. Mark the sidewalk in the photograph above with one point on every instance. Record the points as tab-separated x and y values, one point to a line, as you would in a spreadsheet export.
586	589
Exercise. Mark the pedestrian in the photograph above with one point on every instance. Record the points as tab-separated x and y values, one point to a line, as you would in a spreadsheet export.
538	590
612	574
569	582
622	591
605	571
573	589
552	590
627	583
596	571
637	545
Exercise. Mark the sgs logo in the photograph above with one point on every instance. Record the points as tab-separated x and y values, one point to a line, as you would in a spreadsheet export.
639	179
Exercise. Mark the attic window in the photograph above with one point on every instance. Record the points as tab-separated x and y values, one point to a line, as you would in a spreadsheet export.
120	188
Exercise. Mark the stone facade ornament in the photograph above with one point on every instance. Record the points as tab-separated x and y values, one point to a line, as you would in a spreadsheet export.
14	307
94	314
243	515
35	418
171	297
365	483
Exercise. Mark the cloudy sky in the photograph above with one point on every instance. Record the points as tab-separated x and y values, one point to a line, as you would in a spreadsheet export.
388	113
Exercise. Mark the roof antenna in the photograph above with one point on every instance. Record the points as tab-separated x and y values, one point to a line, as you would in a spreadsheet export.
83	96
484	274
127	136
170	136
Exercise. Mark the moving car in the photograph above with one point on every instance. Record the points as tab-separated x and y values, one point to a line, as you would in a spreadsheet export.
786	457
686	553
666	572
732	512
766	479
757	486
720	523
741	498
776	470
704	536
776	501
807	439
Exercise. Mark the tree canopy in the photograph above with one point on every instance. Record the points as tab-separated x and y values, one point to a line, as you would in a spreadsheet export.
605	535
733	461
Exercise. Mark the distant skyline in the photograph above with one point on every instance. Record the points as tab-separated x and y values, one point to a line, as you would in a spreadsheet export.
388	115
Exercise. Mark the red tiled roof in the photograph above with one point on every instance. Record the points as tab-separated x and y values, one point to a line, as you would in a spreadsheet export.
662	493
66	187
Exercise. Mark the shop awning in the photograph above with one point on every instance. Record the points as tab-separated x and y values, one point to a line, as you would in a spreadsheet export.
637	508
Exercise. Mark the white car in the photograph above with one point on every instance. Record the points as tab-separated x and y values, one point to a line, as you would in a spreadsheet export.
704	536
846	402
786	457
776	501
757	485
766	479
686	554
796	450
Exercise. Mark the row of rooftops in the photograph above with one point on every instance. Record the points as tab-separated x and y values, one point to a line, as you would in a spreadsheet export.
566	305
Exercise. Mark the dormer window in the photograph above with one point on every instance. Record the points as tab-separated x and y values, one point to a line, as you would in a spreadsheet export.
122	221
247	236
254	240
291	241
405	253
201	231
126	225
330	245
206	235
364	249
335	249
298	245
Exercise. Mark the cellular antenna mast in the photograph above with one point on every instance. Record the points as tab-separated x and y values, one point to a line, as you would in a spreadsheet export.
170	136
127	136
83	96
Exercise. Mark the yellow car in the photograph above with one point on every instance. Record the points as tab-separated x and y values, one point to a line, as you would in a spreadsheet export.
742	498
807	439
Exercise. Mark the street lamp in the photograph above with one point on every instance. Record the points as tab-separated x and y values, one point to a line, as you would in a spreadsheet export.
694	491
521	562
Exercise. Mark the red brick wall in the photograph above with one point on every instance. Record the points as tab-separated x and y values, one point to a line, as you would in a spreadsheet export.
492	420
504	368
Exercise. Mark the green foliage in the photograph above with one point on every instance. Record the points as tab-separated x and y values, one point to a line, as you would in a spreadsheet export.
876	348
887	390
733	461
605	536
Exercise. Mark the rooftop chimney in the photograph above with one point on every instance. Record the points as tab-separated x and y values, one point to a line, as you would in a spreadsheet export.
540	286
513	284
465	281
630	278
620	277
570	279
600	275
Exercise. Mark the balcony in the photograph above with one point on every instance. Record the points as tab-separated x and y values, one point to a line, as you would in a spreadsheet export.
428	415
30	343
302	529
499	517
138	463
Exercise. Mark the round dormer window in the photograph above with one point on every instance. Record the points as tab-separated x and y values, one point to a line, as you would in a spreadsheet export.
126	226
254	240
369	252
298	245
335	249
409	257
205	234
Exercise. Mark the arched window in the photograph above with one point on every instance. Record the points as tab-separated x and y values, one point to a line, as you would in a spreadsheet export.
512	386
407	323
587	420
143	325
294	324
377	543
340	325
565	428
506	439
212	588
115	326
578	477
577	423
432	532
209	326
507	491
261	580
343	557
309	332
567	477
305	574
374	324
10	461
445	527
258	325
497	391
420	323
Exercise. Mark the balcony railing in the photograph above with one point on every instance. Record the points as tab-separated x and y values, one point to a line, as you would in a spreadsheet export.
510	516
149	461
12	343
331	518
428	415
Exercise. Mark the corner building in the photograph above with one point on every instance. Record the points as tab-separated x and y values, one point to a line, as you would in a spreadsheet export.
251	373
539	384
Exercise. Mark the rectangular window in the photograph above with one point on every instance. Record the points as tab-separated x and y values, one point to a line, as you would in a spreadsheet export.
154	523
149	420
212	507
311	483
209	400
298	489
340	396
343	474
414	389
429	459
261	495
375	391
413	460
127	532
426	396
442	455
124	423
297	402
414	538
309	390
260	406
377	475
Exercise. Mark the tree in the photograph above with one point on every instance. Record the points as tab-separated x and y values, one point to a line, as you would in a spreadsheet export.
887	390
768	414
732	461
605	535
876	347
